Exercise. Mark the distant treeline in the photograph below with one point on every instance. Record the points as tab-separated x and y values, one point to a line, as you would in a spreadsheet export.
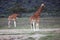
26	8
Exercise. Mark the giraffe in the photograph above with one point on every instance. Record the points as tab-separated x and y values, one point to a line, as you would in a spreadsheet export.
13	18
35	19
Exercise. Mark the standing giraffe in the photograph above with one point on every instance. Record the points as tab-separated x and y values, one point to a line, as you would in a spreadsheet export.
35	19
12	18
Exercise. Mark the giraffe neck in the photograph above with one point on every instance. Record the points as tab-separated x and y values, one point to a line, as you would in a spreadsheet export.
37	13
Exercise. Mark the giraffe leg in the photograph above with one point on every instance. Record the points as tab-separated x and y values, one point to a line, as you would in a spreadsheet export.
37	26
34	25
14	23
9	23
31	25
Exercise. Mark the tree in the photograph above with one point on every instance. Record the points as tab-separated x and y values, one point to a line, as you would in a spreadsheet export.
17	8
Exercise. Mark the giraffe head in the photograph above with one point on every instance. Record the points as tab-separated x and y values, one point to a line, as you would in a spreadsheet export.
42	5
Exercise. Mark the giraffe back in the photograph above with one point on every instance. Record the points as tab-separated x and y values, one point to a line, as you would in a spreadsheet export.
13	16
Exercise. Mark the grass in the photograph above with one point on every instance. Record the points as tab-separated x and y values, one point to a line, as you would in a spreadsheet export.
23	23
51	37
54	35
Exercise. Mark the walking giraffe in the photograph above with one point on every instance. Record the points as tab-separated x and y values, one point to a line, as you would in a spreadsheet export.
35	19
12	18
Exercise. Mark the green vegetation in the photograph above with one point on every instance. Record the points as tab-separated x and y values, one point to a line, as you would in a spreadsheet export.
23	23
51	37
30	38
